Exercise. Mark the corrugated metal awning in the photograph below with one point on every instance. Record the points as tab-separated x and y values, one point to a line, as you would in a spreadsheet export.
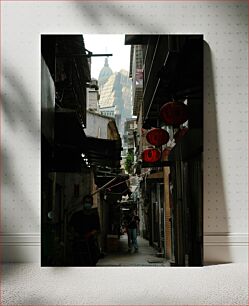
71	141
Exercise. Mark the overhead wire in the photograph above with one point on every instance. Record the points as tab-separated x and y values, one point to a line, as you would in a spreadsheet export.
110	187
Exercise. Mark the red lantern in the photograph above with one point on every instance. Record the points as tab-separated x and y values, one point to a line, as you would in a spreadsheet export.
180	133
157	137
174	113
151	155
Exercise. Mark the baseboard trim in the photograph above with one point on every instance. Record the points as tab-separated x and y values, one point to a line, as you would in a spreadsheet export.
214	238
20	247
20	239
225	247
218	247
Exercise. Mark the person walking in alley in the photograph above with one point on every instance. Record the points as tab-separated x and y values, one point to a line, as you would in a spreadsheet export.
85	226
133	224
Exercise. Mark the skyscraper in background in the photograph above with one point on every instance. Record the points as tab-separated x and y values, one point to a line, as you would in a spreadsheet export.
104	74
115	90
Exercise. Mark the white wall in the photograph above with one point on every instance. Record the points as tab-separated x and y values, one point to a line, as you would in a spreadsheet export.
96	126
224	25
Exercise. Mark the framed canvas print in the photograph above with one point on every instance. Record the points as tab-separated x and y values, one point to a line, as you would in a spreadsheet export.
122	150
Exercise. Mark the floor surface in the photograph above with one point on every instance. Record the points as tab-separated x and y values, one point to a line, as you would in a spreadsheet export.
29	284
145	257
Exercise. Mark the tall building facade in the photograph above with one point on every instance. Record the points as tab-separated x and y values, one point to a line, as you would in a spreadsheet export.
115	95
104	74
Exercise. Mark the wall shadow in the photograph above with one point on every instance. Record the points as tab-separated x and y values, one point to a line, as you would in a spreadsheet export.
119	14
215	207
17	97
18	115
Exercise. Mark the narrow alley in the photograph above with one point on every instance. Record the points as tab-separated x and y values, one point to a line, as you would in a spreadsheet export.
122	152
145	257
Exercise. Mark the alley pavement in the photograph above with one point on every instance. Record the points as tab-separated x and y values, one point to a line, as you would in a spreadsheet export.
145	257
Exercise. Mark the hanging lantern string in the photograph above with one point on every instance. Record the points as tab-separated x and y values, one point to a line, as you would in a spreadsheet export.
140	175
128	180
119	183
125	190
102	187
107	184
